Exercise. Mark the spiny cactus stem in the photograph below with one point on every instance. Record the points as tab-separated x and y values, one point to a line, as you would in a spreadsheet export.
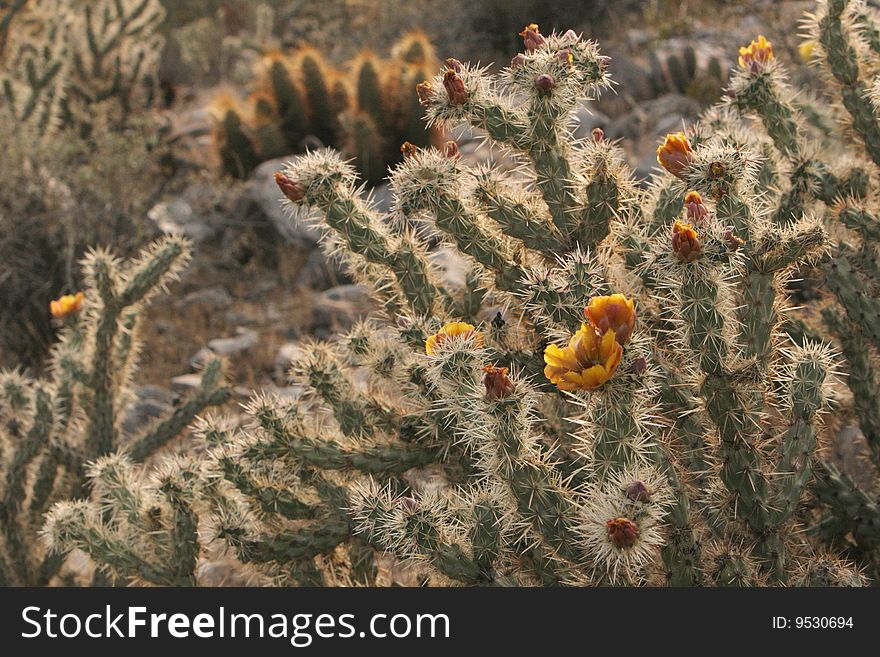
539	499
211	392
462	226
852	510
863	310
284	547
520	222
346	216
843	64
270	499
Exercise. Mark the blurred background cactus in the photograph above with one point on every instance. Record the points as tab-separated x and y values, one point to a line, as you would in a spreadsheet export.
52	427
300	100
685	74
71	62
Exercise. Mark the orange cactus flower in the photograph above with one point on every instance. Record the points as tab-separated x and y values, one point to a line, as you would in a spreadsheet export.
675	154
612	313
453	330
532	37
497	382
622	532
756	55
586	363
66	305
685	242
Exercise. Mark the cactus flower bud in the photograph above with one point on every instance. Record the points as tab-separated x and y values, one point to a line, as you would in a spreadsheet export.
532	37
66	305
450	150
289	187
453	64
613	313
408	504
639	366
453	330
733	242
675	154
518	61
638	491
545	82
598	134
622	532
408	149
756	55
717	169
425	91
454	86
497	382
685	243
695	211
604	61
565	56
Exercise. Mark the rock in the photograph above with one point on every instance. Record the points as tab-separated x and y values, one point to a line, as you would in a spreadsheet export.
321	273
285	356
852	455
201	358
654	118
244	340
186	383
176	217
216	298
260	200
338	308
150	404
588	118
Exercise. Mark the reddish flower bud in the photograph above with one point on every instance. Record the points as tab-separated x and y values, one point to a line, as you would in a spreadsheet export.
532	37
454	64
454	86
518	61
694	209
685	242
639	366
545	82
424	91
638	491
604	61
497	382
408	149
289	187
450	150
622	532
565	56
598	134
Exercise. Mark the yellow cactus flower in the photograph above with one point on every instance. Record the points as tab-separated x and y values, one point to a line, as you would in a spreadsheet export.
756	55
675	154
452	330
66	305
806	50
685	242
587	362
612	313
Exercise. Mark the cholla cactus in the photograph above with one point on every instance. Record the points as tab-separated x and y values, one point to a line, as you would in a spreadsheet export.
615	393
75	62
51	428
367	108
